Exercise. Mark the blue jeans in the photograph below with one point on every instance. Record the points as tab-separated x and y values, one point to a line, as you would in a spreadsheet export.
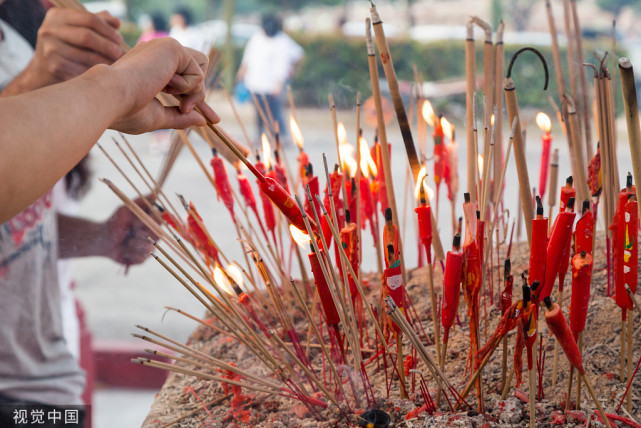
273	104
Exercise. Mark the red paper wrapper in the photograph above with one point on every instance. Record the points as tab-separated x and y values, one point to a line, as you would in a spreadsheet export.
559	327
581	277
323	291
314	189
536	268
394	284
451	289
561	234
223	189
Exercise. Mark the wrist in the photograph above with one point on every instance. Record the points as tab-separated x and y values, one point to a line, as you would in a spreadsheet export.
111	89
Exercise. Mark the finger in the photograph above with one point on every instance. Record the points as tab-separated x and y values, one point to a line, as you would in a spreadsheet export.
87	39
65	67
101	24
84	57
208	112
109	19
201	59
172	118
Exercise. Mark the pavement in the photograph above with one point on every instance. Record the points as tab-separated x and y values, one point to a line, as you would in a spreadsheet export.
115	299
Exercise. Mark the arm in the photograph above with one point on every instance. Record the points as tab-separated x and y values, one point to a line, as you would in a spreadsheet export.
47	131
122	238
69	43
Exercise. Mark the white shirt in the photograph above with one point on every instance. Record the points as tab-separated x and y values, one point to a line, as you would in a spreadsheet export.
270	61
190	37
15	54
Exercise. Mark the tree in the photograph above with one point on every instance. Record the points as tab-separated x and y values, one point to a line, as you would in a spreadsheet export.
616	6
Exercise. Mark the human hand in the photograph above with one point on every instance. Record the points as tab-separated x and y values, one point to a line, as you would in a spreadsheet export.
126	236
70	42
162	65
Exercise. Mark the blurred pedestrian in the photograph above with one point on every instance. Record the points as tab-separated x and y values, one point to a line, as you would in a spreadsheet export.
269	60
153	26
183	30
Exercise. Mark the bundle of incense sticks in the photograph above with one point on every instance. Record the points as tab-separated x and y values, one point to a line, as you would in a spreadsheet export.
350	325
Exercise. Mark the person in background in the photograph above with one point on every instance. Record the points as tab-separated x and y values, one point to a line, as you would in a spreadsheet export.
269	60
153	26
183	30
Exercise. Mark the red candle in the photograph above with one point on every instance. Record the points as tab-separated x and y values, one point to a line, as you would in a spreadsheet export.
581	278
424	214
380	178
536	268
584	230
314	189
390	235
561	234
199	236
543	121
394	286
451	286
331	314
559	327
349	241
567	192
506	294
528	322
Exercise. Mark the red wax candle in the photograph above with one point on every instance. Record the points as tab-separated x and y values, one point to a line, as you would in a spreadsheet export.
303	160
567	192
199	236
451	286
584	232
390	235
581	278
349	241
506	294
246	191
559	327
367	202
546	139
425	228
480	238
323	291
314	189
561	234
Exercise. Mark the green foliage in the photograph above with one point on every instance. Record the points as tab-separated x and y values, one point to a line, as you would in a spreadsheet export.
615	6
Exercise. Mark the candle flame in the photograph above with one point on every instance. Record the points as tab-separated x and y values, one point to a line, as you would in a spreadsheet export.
236	274
480	162
367	163
428	113
222	281
267	151
421	181
300	237
448	128
543	120
297	136
342	134
492	120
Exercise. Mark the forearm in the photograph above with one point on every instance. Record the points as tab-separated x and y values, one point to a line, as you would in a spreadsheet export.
24	82
78	237
47	131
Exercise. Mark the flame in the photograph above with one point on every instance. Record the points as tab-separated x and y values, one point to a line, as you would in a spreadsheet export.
543	120
300	237
367	163
428	113
296	134
422	175
480	162
342	134
236	274
222	281
492	120
267	152
448	128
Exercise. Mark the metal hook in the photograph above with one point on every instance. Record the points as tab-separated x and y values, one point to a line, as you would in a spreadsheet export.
545	64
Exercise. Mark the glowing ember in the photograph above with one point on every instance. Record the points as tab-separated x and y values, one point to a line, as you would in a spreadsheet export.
222	281
543	120
448	128
297	136
420	180
300	237
267	152
367	163
428	113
